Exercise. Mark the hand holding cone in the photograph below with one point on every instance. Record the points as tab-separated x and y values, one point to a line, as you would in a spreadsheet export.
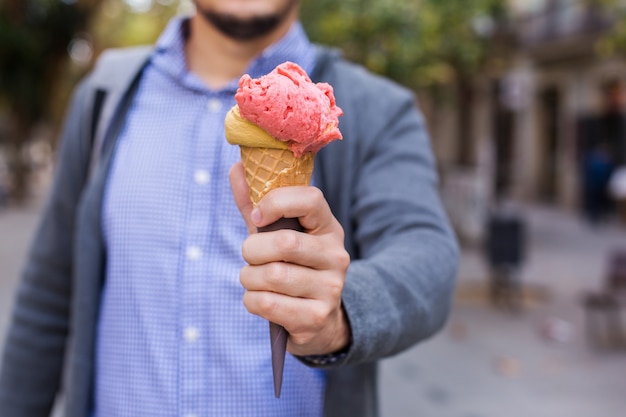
280	122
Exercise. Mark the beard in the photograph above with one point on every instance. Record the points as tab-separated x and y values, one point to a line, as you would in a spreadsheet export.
246	29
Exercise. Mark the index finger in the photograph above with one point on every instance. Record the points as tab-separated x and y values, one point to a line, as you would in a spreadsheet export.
306	203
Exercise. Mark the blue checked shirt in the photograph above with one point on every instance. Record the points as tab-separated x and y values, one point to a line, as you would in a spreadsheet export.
174	338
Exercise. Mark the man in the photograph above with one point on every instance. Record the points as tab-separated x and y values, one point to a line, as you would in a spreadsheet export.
139	289
603	143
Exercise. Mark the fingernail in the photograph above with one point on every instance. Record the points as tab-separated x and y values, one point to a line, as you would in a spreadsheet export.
255	216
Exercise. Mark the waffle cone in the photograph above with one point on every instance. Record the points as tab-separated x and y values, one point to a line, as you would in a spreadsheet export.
267	169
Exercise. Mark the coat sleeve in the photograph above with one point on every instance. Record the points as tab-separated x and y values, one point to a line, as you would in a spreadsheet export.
32	361
404	253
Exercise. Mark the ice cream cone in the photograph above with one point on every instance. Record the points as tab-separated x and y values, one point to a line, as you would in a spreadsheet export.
280	121
267	169
269	164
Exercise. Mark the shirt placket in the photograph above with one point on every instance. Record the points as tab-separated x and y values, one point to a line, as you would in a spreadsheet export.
194	339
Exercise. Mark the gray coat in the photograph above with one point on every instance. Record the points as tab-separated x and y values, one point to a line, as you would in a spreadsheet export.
380	182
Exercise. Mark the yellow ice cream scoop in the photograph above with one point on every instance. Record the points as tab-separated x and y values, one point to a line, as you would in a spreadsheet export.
240	131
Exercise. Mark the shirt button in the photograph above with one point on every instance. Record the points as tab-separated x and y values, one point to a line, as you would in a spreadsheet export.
194	253
191	334
201	177
214	105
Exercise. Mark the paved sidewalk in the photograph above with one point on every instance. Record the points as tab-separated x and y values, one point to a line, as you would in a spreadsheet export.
486	362
491	363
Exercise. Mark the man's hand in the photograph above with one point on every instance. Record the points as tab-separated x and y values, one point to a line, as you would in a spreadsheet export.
295	279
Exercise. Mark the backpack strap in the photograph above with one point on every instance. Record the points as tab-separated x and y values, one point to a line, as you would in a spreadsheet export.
115	75
98	100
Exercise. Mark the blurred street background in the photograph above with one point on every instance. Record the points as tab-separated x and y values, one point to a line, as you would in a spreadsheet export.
525	101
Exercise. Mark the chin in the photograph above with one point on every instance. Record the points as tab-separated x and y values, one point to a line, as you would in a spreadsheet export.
249	24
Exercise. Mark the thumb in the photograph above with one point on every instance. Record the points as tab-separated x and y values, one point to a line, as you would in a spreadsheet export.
239	187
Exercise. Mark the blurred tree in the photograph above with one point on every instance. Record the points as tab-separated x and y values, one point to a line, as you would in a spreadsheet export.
34	39
462	36
37	40
131	22
420	43
613	42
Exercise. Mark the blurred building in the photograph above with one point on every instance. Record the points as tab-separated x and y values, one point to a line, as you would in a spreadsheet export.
539	112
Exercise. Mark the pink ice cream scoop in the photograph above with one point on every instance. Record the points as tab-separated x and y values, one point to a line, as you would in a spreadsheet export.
291	108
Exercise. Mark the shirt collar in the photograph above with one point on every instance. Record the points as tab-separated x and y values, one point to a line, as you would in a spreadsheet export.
169	54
